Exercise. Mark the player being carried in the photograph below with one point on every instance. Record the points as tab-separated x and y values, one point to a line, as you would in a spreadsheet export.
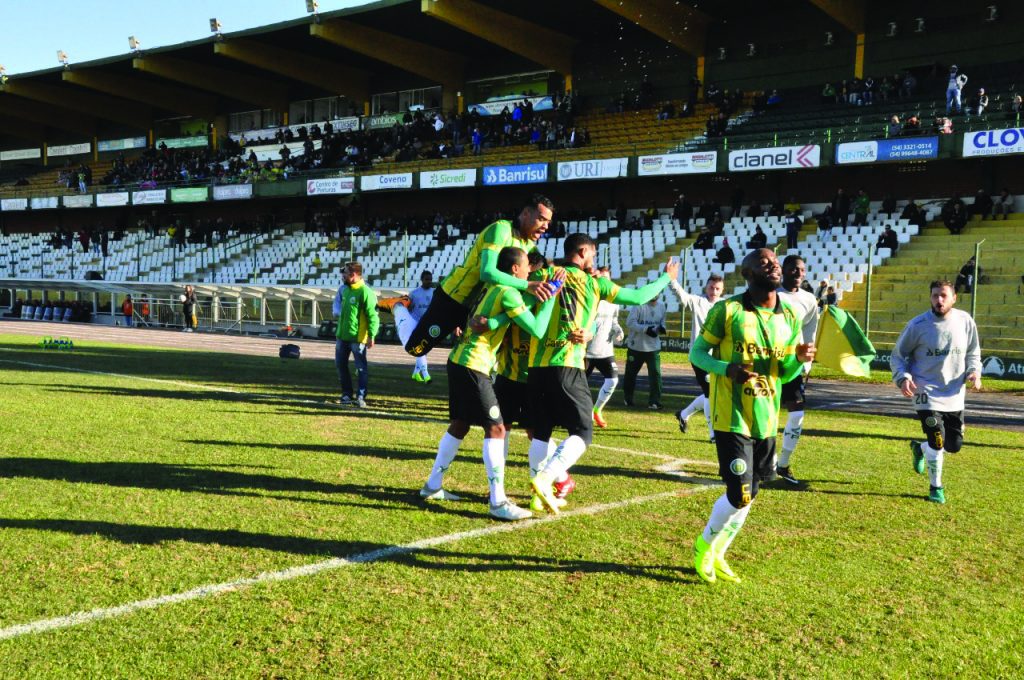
699	305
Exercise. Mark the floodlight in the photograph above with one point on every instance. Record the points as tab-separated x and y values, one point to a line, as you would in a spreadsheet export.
312	6
993	13
134	43
214	25
721	54
830	38
751	49
892	30
62	57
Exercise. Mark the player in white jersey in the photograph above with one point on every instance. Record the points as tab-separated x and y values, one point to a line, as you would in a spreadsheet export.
601	351
794	269
699	306
419	300
936	356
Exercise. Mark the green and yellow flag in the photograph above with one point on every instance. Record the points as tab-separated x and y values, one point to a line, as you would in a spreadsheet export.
841	343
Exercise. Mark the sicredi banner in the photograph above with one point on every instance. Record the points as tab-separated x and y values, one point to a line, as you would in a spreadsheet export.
120	144
887	150
229	192
44	202
994	142
401	180
189	195
20	154
442	179
14	204
775	158
597	169
112	199
69	149
330	185
78	201
530	173
149	196
677	163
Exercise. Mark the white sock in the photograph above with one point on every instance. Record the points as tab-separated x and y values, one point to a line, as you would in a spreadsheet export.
565	457
538	452
731	528
494	462
934	460
790	436
724	523
696	404
707	416
404	323
421	365
447	449
605	393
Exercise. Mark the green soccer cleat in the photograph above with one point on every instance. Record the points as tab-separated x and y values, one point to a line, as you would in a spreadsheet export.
724	571
937	494
416	376
917	457
543	486
704	560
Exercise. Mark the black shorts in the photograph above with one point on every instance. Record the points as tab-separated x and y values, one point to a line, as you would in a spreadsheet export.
607	367
560	397
793	391
743	464
443	315
471	397
703	382
944	429
514	401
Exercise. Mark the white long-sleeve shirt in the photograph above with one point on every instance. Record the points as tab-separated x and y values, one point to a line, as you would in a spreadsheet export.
420	298
806	306
607	331
641	318
938	353
698	304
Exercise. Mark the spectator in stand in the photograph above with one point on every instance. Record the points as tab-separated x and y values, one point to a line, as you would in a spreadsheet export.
979	102
908	85
956	219
912	126
128	310
774	99
888	239
828	94
913	214
821	292
943	125
825	221
1016	106
737	202
954	86
668	110
830	296
705	240
886	89
477	140
861	208
725	255
758	240
888	206
754	209
894	128
793	226
868	91
793	205
778	208
841	208
683	211
188	309
983	205
842	92
1003	205
717	226
965	279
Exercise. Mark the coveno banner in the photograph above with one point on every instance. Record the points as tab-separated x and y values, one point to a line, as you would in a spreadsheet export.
887	150
775	158
495	175
994	142
330	185
402	180
677	163
598	169
442	179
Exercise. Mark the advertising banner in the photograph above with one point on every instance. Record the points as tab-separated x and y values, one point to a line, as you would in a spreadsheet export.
77	201
14	204
69	149
347	124
121	144
182	142
189	195
442	179
330	185
494	108
44	202
230	192
994	142
380	122
495	175
887	150
993	365
775	158
20	154
604	168
376	182
149	196
677	163
112	199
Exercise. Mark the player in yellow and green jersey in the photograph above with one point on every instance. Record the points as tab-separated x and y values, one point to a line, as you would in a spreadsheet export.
471	398
462	288
750	346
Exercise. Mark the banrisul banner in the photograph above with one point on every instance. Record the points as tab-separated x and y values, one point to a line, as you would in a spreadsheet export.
495	175
82	201
20	154
69	149
14	204
994	142
182	142
775	158
149	196
887	150
330	185
604	168
402	180
442	179
189	195
44	202
677	163
229	192
112	199
380	122
121	144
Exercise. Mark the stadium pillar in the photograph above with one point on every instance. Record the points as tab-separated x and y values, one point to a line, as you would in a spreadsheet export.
95	150
366	108
858	62
700	71
150	136
284	118
46	159
568	82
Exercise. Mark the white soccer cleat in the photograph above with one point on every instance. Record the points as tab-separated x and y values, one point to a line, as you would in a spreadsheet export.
510	512
429	494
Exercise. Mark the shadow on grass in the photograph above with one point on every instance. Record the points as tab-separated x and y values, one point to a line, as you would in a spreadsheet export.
838	434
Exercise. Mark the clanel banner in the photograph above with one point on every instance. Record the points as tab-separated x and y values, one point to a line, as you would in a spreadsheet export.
44	202
330	185
77	201
14	204
69	149
149	196
604	168
20	154
121	144
442	179
229	192
377	182
112	199
887	150
775	158
677	163
994	142
515	174
189	195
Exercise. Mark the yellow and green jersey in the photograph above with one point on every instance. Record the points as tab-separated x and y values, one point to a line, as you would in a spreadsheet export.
464	284
741	333
479	351
575	307
514	354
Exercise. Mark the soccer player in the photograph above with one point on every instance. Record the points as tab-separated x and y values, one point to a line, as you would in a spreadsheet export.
699	306
462	288
558	385
936	356
793	392
600	352
750	347
471	398
419	301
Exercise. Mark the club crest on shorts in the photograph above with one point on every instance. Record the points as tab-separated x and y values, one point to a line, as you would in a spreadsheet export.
738	466
494	412
434	331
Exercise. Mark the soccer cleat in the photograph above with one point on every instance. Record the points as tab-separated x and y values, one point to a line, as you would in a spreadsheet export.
427	379
429	494
416	376
724	571
786	474
937	494
360	402
542	486
537	505
344	401
510	512
654	407
599	419
704	560
682	422
563	489
388	304
917	457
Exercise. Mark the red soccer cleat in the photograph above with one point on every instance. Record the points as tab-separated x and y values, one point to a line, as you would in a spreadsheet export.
563	489
599	419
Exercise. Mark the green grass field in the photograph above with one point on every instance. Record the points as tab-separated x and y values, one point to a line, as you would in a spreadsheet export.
189	469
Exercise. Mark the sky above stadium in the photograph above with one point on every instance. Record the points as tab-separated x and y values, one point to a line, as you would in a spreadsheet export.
32	32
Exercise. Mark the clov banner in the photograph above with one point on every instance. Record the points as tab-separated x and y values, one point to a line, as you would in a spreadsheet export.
14	204
112	199
677	163
887	150
442	179
515	174
228	192
775	158
82	201
401	180
994	142
149	196
604	168
330	185
44	202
